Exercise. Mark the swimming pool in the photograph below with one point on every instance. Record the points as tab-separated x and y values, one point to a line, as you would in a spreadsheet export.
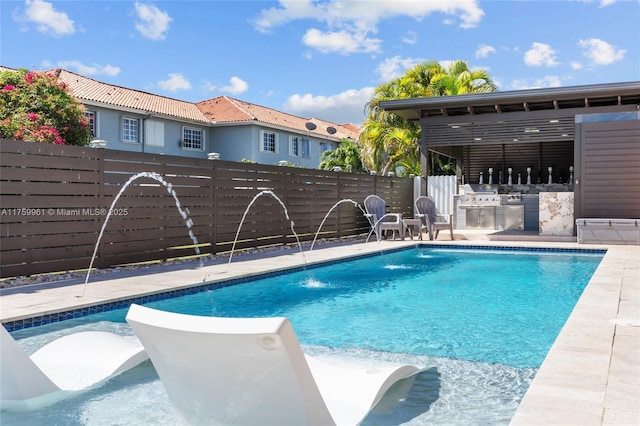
481	332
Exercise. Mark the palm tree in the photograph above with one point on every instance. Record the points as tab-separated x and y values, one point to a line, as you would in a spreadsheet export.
388	140
346	156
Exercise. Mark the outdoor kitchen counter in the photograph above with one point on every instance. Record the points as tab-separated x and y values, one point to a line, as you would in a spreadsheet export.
548	213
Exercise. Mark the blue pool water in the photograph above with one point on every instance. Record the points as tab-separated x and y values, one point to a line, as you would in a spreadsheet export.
481	321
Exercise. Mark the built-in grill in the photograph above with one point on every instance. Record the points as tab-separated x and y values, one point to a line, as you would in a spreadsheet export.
476	195
480	201
515	197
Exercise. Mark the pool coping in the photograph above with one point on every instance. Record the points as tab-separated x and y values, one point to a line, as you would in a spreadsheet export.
591	375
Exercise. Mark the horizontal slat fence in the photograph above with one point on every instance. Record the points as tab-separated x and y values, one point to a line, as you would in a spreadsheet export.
54	202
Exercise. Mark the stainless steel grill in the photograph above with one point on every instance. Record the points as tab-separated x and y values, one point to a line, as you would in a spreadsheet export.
514	198
479	203
479	196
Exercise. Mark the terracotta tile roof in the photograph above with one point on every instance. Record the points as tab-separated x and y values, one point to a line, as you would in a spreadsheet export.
351	127
224	109
87	89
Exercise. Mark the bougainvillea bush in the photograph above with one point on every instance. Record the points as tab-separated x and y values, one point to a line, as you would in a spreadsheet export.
36	107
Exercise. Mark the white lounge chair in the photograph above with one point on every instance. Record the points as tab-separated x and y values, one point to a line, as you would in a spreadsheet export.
70	363
251	371
382	221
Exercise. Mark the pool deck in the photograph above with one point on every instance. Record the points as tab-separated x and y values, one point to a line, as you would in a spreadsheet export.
591	375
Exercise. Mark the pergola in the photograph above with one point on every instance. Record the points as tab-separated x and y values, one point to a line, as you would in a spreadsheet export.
538	128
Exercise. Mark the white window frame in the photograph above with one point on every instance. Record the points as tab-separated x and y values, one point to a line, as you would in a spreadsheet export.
190	141
126	133
92	118
294	146
263	141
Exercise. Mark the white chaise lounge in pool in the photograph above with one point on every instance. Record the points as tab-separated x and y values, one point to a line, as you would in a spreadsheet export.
251	371
70	363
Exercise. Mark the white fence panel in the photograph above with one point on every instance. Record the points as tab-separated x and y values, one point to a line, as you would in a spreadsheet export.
442	189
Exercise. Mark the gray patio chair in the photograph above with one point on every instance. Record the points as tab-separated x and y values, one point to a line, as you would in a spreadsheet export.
426	211
376	209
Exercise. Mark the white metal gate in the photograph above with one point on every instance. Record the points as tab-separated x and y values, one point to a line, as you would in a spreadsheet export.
442	189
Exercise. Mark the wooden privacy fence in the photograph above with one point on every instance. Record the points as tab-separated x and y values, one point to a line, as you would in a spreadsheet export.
54	201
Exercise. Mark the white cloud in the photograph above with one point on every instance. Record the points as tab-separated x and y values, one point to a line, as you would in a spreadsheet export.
345	107
352	22
175	82
395	67
547	81
484	50
540	54
600	52
365	13
576	65
605	3
410	38
93	69
209	86
236	86
153	23
340	41
47	19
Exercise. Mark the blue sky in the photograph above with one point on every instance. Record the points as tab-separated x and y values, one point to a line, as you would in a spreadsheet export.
320	58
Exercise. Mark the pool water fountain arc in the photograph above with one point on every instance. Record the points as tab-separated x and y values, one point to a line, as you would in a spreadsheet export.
346	200
169	187
246	211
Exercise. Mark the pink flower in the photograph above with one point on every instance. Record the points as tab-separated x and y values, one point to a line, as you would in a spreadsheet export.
33	116
29	77
8	88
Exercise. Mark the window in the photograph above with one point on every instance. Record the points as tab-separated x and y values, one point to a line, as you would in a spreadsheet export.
91	119
268	142
294	146
130	131
305	148
154	133
192	138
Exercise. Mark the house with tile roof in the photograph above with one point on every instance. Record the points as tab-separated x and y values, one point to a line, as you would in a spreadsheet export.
264	135
134	120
